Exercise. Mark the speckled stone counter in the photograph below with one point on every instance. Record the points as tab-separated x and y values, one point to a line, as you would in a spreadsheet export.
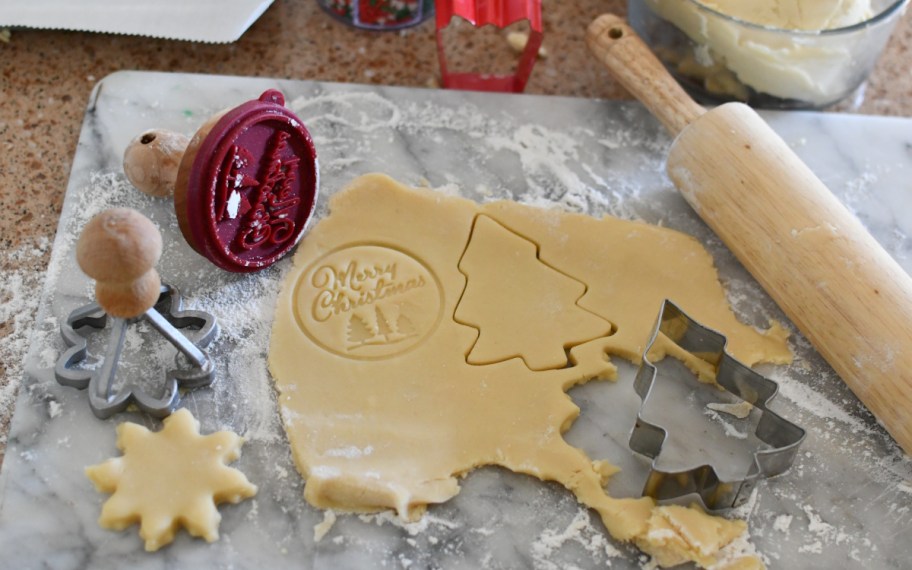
47	77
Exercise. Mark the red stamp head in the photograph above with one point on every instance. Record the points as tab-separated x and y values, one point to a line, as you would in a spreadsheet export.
247	185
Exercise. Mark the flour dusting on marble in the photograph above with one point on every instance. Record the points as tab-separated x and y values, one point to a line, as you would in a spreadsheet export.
245	306
727	427
554	163
20	283
581	532
412	528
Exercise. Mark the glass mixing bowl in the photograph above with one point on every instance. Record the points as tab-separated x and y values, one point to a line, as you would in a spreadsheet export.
718	57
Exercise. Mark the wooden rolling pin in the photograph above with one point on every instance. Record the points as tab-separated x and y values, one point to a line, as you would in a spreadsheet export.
815	259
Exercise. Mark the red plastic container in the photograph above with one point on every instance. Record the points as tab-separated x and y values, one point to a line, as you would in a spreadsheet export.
500	13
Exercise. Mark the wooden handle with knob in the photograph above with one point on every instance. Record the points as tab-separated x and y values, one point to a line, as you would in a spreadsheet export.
152	159
631	62
815	259
119	249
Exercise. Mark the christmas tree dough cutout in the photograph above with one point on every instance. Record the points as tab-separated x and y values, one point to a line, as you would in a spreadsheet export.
170	479
515	300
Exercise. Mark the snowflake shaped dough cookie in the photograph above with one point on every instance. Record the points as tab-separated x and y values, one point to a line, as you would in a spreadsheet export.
171	478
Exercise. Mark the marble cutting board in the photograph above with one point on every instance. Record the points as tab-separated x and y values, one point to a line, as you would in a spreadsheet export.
846	501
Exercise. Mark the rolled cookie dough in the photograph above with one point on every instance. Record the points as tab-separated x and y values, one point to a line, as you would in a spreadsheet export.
407	352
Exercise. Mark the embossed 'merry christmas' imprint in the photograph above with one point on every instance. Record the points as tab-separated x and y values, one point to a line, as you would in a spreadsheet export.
368	302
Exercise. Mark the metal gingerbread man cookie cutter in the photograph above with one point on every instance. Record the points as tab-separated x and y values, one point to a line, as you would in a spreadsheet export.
781	438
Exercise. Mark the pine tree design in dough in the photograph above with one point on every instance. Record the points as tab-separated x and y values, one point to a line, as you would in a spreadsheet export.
171	478
384	328
361	333
520	306
405	326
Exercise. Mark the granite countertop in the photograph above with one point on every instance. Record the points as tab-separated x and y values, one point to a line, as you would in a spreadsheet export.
48	75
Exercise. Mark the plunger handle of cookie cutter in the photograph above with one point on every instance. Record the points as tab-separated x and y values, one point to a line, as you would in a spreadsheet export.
152	160
119	249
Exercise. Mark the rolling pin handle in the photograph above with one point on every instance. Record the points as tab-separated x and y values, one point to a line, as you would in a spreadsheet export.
632	63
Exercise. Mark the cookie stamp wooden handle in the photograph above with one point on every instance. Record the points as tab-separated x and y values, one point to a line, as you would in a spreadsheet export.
846	294
152	159
119	249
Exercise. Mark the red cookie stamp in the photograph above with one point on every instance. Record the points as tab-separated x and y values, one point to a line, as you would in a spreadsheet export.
247	185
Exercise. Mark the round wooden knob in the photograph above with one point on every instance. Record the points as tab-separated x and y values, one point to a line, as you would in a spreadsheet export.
119	249
152	159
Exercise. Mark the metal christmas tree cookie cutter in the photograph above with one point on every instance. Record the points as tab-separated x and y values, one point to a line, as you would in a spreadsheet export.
781	438
166	316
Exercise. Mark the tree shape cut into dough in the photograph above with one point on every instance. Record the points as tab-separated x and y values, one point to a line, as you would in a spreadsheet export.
171	478
520	305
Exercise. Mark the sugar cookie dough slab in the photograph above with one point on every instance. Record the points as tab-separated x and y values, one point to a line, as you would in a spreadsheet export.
384	417
578	155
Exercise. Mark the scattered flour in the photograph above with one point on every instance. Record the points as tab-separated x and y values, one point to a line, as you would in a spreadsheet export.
412	528
815	547
243	305
254	511
350	452
54	409
730	430
21	279
556	174
858	190
823	530
782	523
580	531
814	402
747	509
